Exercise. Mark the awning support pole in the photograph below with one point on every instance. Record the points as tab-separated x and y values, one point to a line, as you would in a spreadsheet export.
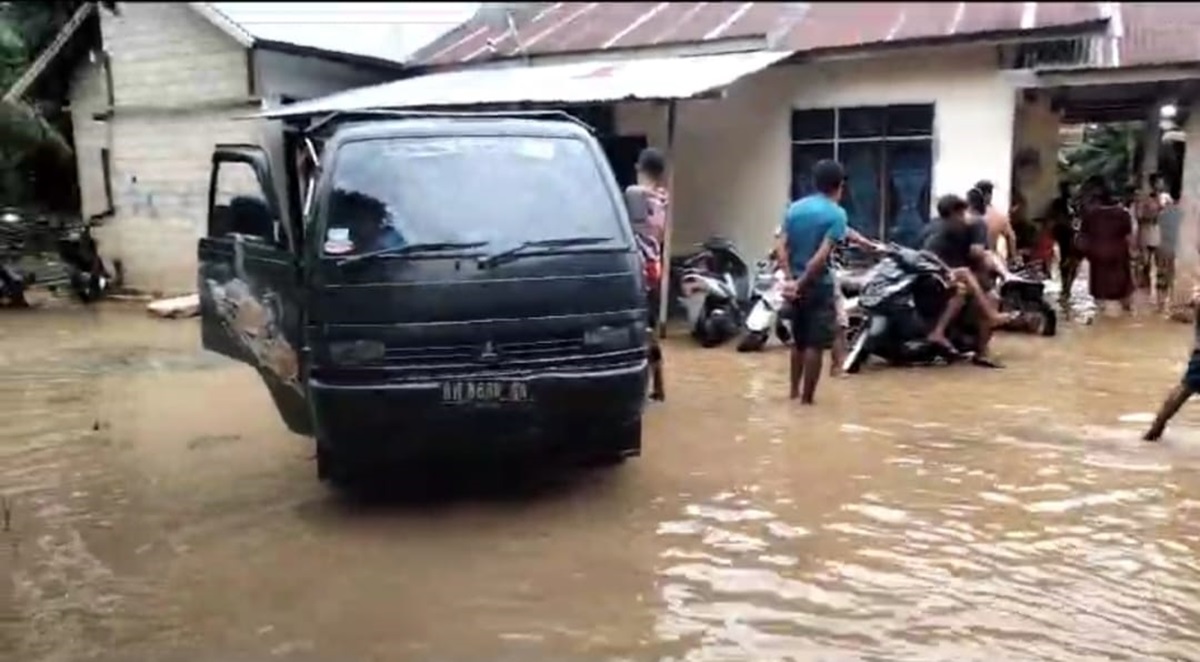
665	285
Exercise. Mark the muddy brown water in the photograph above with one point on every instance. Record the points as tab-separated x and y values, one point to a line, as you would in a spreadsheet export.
158	510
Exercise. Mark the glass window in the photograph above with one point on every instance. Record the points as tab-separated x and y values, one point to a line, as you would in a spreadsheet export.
812	124
909	180
910	120
861	122
393	192
804	157
862	196
888	157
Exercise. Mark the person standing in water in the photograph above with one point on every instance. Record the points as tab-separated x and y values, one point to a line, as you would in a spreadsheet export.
812	226
1064	226
999	225
647	202
1146	208
1167	229
1189	385
1106	235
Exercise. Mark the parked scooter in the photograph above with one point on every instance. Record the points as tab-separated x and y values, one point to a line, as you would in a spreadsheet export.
12	280
901	299
766	307
709	292
1024	292
87	276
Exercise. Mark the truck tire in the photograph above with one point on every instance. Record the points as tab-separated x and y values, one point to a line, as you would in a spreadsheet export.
616	445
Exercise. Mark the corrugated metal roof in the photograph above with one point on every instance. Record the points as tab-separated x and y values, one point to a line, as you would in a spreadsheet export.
1144	34
388	31
1158	33
581	82
566	27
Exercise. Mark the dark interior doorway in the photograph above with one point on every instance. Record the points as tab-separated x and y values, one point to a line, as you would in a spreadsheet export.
622	153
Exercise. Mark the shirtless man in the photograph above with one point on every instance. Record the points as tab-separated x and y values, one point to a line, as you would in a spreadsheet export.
998	223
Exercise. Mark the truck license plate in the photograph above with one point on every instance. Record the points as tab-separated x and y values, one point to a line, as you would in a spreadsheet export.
467	392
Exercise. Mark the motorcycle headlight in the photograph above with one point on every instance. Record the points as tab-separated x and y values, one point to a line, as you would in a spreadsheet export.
610	338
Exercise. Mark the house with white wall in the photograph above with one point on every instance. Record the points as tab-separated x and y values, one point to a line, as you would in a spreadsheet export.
175	78
915	99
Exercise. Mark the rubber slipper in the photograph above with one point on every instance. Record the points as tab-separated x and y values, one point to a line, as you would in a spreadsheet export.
985	362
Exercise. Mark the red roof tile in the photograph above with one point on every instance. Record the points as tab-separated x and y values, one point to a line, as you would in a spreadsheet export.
582	27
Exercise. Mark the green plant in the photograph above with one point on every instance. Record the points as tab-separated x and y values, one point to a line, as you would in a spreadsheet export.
1109	151
34	131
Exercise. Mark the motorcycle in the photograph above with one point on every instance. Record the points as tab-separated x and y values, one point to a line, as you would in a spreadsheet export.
901	299
1024	292
13	281
766	306
78	266
710	292
87	277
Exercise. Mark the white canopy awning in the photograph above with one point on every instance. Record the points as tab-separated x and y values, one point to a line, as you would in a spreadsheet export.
578	82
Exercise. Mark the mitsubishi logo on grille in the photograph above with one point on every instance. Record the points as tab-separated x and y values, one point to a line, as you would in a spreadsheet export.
489	355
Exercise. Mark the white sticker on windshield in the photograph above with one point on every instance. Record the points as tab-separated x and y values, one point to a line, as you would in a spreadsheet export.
337	241
536	149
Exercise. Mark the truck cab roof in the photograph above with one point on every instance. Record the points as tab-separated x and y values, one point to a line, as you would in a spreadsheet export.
384	124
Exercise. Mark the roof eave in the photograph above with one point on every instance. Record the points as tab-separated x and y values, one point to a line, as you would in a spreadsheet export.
223	23
248	40
333	56
741	44
992	37
1183	65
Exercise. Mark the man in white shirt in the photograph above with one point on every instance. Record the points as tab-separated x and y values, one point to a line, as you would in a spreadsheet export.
1162	235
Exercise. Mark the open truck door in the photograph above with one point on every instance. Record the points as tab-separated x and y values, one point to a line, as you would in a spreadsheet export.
250	279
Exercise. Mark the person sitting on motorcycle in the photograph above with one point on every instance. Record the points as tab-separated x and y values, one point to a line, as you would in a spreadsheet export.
957	243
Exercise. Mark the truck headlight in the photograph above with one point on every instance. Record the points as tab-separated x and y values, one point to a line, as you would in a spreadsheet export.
609	338
356	352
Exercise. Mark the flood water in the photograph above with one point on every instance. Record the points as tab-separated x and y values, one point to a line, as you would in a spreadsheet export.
158	510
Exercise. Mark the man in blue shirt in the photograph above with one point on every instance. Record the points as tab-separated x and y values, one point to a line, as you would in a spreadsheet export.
811	227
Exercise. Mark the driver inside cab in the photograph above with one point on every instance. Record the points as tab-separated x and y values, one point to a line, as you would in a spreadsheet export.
962	246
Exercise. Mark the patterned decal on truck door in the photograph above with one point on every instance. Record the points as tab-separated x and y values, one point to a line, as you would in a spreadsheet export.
253	320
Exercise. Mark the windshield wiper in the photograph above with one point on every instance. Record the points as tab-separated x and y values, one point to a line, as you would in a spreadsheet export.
410	248
492	259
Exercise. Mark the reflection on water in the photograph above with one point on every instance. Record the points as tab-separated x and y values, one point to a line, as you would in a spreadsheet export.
158	510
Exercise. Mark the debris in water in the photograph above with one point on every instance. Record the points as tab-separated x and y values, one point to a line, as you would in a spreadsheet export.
176	307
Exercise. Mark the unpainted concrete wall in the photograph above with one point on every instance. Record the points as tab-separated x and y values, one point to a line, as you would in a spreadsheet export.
180	84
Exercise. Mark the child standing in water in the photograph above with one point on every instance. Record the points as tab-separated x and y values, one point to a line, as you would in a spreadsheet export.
1187	387
647	202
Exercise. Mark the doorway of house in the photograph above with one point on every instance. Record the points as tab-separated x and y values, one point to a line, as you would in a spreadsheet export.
622	153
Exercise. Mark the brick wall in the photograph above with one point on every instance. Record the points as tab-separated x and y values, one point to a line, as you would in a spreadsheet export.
167	63
177	81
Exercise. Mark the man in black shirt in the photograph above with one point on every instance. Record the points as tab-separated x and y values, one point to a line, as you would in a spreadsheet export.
962	246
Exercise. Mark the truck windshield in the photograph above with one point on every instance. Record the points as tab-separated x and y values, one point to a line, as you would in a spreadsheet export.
465	190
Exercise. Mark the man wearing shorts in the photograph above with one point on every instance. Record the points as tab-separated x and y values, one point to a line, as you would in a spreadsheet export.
647	203
1187	387
811	228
